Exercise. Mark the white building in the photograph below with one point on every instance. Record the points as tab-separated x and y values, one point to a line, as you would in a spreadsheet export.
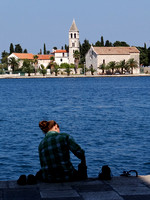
97	56
61	56
42	59
73	41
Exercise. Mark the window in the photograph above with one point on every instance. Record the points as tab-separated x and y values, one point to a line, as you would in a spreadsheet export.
61	60
73	44
71	35
75	35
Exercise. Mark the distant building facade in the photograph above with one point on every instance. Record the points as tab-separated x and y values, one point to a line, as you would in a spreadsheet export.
42	59
97	56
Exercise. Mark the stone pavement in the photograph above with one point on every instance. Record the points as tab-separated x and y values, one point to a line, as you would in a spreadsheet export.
119	188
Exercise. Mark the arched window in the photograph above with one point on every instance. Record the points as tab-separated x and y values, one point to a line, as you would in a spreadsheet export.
71	35
75	35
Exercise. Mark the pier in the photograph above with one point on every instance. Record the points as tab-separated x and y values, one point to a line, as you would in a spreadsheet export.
118	188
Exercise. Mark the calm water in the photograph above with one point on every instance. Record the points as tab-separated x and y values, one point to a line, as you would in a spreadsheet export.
108	117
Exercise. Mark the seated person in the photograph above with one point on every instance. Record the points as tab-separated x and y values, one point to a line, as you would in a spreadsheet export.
54	154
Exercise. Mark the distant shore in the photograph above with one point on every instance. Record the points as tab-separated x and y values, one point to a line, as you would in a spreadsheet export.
16	76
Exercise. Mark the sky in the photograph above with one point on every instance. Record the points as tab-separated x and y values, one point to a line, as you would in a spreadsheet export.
31	23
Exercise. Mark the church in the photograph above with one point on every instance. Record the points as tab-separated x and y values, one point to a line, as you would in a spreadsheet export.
60	56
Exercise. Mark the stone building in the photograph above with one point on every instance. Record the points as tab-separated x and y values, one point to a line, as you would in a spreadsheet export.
97	56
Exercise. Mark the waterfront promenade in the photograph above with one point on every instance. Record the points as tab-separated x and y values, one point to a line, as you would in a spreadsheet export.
7	76
119	188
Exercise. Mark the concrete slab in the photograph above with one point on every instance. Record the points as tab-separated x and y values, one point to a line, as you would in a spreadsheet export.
109	195
58	194
131	190
3	184
139	197
21	194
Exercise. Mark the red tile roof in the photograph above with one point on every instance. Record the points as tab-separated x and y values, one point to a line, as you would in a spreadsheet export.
44	57
30	56
115	50
60	51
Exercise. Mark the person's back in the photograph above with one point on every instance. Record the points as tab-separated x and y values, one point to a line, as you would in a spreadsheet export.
55	157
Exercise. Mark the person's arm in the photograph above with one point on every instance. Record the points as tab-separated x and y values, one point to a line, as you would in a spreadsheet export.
76	149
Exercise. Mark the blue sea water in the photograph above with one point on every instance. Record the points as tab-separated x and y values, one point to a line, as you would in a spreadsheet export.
108	117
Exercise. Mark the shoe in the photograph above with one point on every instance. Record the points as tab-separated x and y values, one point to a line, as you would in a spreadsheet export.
22	180
31	179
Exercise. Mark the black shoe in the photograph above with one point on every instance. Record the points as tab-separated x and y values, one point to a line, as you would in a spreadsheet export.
31	179
22	180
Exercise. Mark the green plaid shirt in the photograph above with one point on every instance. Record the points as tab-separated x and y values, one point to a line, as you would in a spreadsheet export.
55	157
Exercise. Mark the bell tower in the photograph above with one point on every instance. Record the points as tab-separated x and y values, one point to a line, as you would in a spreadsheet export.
73	41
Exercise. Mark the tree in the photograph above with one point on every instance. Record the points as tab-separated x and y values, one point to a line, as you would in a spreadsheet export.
43	70
92	70
97	44
13	63
76	56
122	64
83	50
4	57
121	44
132	64
35	61
111	65
67	48
102	41
56	69
18	48
67	68
25	51
44	50
28	67
108	44
11	48
102	67
144	56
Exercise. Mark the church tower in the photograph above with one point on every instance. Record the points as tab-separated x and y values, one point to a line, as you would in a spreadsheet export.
73	41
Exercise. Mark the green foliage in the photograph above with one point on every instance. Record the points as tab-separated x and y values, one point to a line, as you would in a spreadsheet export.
144	56
28	67
11	48
14	63
56	69
44	49
83	50
18	48
43	70
67	68
4	57
108	44
120	44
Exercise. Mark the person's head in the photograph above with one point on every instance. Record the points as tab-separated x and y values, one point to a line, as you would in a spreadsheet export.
49	126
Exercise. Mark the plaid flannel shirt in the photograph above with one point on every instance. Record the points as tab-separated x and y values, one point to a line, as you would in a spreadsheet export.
55	157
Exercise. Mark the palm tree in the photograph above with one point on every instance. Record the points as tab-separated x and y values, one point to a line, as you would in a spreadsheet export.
68	70
56	69
111	65
13	63
28	67
92	70
102	67
76	56
132	64
122	64
43	70
35	61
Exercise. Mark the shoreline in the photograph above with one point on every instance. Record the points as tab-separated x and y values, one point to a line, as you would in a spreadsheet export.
16	76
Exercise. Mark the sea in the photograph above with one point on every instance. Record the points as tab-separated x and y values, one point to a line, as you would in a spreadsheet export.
109	117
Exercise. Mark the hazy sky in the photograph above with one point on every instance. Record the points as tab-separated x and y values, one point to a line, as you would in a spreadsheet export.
31	23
